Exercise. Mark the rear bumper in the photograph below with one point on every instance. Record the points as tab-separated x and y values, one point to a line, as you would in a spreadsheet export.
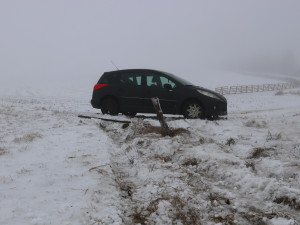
95	104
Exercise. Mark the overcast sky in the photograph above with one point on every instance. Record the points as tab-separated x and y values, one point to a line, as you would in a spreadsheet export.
58	39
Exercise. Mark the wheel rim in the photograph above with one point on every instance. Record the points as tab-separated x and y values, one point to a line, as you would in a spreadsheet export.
194	111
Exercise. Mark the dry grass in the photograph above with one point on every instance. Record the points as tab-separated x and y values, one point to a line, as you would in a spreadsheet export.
190	162
27	137
139	218
257	217
164	158
179	212
158	130
140	127
102	126
230	141
189	173
272	137
3	150
125	125
279	93
291	202
254	123
228	219
260	152
251	165
100	170
150	130
180	131
23	171
6	180
295	92
253	218
126	187
201	140
221	199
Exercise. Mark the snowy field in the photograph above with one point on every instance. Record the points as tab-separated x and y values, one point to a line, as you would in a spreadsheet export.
56	168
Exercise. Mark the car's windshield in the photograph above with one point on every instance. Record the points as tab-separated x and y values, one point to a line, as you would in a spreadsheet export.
178	79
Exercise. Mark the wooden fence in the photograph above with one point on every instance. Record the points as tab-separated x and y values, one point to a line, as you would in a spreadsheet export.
226	90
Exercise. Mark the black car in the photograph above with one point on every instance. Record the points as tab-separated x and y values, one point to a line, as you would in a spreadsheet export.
130	92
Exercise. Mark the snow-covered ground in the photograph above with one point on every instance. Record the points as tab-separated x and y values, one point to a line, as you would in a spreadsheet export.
56	168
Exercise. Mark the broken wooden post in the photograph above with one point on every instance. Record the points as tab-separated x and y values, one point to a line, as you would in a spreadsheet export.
165	130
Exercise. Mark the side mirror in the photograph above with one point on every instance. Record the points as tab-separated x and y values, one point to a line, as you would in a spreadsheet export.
168	86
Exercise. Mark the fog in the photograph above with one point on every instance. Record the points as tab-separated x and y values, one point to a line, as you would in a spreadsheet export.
76	40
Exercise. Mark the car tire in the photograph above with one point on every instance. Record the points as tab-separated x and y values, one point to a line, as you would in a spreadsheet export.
109	106
193	110
130	114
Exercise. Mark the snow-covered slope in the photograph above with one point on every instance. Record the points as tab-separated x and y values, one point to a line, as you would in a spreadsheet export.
56	168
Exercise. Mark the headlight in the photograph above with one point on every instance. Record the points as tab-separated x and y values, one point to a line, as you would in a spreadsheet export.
209	94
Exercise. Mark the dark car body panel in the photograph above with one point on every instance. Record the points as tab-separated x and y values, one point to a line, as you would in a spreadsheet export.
134	94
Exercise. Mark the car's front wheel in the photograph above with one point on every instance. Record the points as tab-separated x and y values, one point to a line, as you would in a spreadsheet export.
193	110
109	106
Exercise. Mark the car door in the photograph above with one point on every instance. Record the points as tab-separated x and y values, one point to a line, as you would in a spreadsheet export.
130	92
155	86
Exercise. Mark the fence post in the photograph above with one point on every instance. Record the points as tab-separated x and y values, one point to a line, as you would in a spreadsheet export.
165	130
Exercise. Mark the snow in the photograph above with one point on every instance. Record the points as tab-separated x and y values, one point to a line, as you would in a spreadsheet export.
56	168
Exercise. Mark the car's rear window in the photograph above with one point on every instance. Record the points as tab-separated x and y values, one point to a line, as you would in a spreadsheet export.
110	78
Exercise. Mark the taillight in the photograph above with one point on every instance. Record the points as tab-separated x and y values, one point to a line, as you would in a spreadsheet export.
98	86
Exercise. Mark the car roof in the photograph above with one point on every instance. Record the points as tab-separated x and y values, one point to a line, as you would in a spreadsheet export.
134	70
177	79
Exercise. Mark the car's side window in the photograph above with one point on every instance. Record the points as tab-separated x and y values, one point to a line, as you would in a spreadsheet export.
153	81
165	80
139	80
131	79
127	79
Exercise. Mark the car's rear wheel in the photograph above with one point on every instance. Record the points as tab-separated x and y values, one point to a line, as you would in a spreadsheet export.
193	110
109	106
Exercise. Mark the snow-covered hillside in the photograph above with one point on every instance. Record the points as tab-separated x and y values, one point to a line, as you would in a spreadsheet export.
56	168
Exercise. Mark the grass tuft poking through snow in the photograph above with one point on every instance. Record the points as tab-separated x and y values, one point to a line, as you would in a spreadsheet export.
261	152
3	151
254	123
27	137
